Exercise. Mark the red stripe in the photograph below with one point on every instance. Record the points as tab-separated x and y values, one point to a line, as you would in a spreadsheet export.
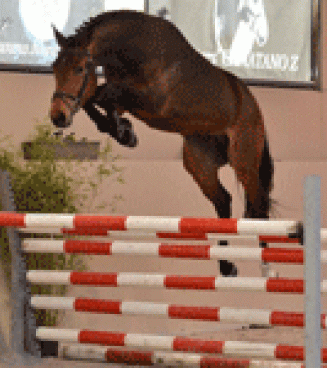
87	247
291	319
278	239
211	225
93	278
97	306
185	251
279	285
129	357
289	352
198	346
278	318
282	255
295	353
202	313
189	282
102	338
12	219
103	222
212	362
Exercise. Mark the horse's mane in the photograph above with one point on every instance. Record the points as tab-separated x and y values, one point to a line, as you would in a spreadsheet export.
84	33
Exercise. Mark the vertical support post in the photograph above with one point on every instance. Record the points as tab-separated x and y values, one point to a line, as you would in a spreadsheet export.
17	288
22	319
312	248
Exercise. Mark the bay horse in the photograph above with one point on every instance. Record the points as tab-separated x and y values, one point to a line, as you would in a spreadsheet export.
153	72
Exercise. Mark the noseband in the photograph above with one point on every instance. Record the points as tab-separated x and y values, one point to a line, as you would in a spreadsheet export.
77	100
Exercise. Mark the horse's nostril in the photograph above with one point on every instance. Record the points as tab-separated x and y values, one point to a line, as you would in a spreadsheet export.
60	120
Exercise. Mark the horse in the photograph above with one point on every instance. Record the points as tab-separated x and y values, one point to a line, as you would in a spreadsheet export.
153	72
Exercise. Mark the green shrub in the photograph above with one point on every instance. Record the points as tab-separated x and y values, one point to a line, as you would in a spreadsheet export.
47	185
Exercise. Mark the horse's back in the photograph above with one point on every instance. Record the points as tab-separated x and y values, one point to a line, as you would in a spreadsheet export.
200	90
183	84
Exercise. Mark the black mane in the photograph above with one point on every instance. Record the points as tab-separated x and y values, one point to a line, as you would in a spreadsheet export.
84	33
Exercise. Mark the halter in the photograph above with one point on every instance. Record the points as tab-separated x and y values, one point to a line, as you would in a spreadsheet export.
77	100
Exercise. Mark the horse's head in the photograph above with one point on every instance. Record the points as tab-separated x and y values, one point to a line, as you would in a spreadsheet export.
76	81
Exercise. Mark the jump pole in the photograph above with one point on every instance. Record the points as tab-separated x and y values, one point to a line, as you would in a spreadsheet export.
312	225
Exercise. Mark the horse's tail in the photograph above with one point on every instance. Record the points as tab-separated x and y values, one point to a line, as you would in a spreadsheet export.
247	139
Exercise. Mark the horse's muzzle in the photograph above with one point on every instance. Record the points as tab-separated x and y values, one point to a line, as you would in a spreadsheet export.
60	121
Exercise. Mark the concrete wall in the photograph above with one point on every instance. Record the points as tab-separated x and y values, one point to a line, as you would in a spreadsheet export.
156	183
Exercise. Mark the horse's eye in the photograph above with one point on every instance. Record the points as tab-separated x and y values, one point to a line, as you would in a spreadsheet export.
78	70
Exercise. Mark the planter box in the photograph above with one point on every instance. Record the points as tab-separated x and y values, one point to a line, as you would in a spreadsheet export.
75	150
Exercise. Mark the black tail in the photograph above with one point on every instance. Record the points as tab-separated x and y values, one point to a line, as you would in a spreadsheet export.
262	205
266	170
266	173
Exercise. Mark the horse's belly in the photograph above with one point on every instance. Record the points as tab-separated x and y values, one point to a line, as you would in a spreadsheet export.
183	125
205	104
192	108
158	122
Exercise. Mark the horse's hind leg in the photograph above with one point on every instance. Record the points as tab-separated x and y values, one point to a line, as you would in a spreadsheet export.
249	156
202	157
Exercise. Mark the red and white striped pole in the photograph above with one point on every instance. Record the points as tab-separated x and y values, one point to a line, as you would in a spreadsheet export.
176	343
202	251
273	285
150	223
148	358
218	314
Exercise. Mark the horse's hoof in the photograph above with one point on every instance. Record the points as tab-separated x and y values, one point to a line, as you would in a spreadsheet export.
128	141
228	269
125	134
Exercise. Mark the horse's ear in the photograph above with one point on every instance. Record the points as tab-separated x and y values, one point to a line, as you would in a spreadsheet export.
62	41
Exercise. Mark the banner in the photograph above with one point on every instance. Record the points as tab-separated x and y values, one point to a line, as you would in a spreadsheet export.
254	39
26	35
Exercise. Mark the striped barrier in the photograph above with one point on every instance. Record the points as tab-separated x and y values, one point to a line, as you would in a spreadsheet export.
263	317
152	223
217	314
149	358
129	234
208	252
177	343
117	279
173	350
174	344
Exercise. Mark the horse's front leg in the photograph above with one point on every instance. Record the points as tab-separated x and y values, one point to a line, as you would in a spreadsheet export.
119	128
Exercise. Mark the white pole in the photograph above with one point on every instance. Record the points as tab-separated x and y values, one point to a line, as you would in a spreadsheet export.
312	226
